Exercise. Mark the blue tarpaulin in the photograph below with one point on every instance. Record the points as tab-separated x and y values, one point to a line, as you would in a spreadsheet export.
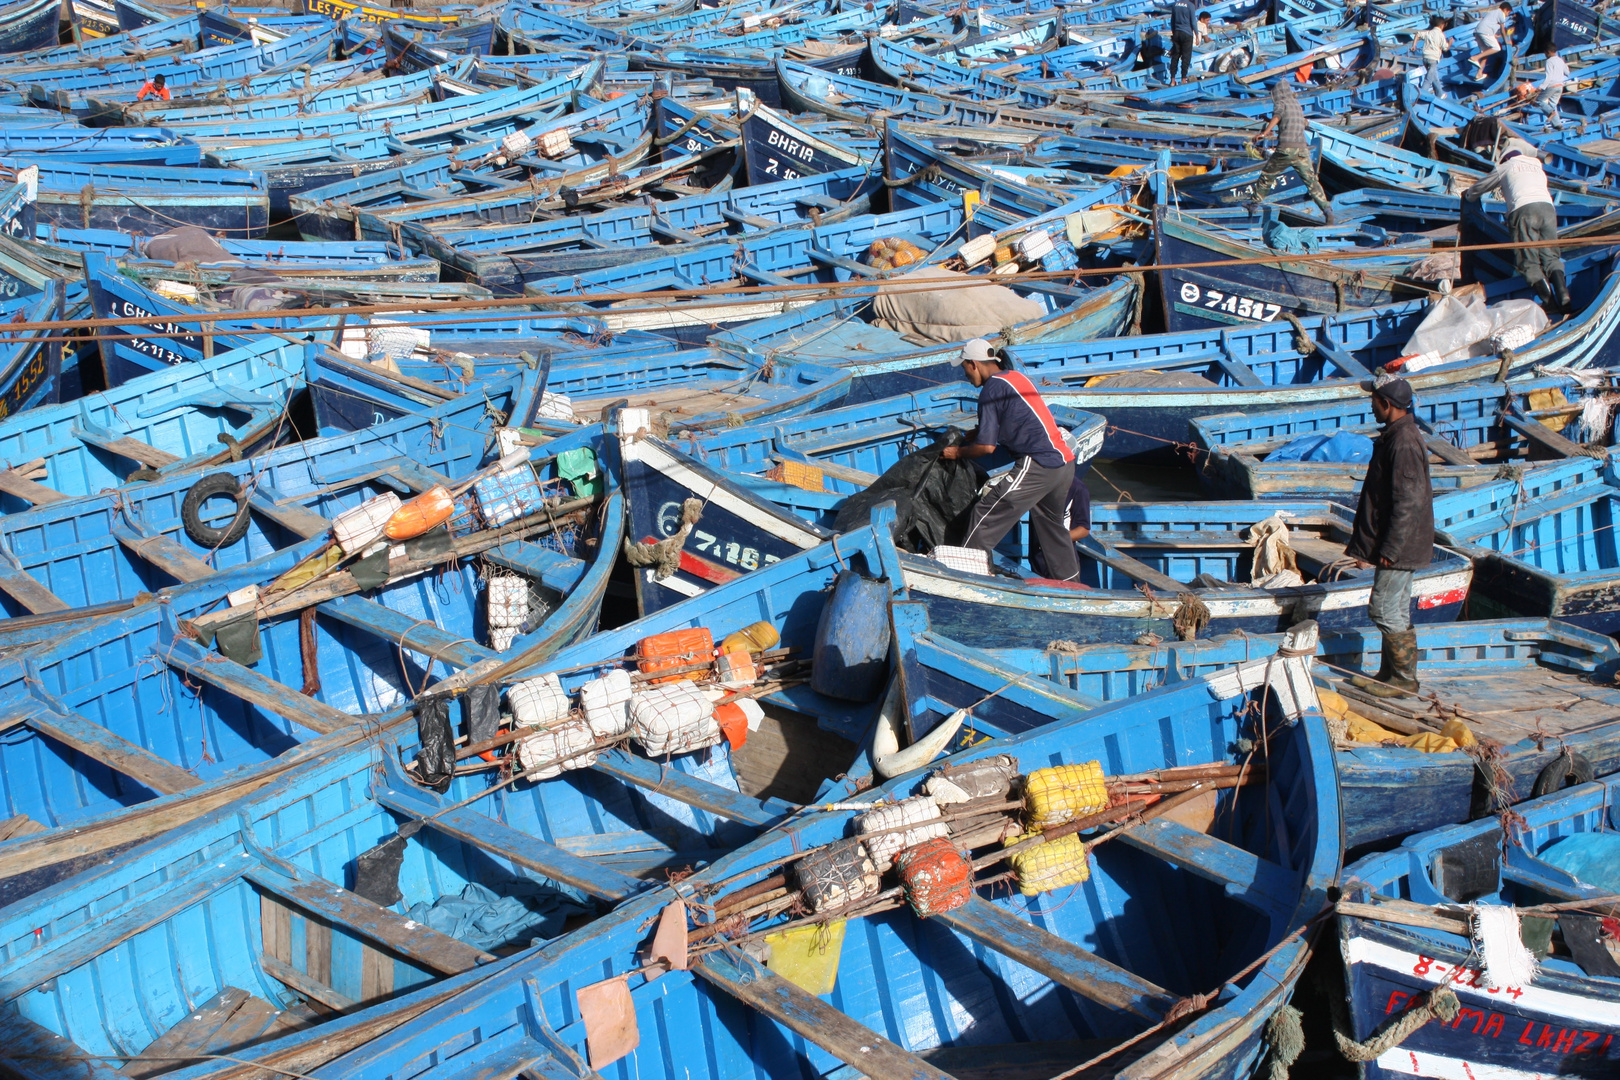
1590	857
485	919
1339	446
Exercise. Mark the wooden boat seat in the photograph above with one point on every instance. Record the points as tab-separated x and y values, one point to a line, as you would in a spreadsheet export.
122	445
13	482
482	831
883	430
24	588
165	554
710	798
694	399
100	744
555	571
228	1021
188	656
406	632
406	937
1065	963
816	1021
1257	882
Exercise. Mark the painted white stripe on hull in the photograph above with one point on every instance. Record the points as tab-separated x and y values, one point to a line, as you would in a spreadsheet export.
1116	604
779	526
1573	1007
1417	1063
674	584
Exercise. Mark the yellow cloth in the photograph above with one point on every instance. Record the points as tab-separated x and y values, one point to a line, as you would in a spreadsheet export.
1551	398
808	956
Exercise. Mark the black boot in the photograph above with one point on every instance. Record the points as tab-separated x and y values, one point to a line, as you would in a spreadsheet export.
1397	675
1544	294
1560	290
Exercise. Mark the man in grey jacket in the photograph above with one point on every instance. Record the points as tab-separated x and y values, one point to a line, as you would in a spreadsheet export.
1394	533
1531	218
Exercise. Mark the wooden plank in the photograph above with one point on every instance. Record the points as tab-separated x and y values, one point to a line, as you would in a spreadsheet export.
317	948
275	928
131	448
719	801
122	756
1086	973
483	831
37	494
413	634
19	825
416	942
1540	433
850	1042
190	1036
165	554
1132	568
24	588
246	1025
294	519
376	974
300	983
33	1053
1447	453
838	472
1257	882
253	688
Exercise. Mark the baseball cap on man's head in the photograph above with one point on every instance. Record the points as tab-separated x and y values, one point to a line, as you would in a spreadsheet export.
1398	392
978	349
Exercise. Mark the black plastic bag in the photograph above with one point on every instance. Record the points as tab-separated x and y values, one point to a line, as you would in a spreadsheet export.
481	711
376	872
436	757
933	498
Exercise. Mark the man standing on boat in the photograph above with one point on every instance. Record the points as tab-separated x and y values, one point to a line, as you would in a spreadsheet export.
1394	534
1183	32
1288	121
1013	415
1531	218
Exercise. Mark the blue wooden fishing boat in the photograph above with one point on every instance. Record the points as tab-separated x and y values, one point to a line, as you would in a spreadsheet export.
296	940
173	421
1141	568
1271	366
1405	931
28	25
1090	993
367	656
1463	426
1541	540
363	260
148	199
505	258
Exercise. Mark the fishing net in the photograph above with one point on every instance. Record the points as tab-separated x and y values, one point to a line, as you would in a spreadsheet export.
1062	793
837	875
1052	865
884	828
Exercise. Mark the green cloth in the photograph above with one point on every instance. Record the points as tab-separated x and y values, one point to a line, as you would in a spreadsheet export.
578	467
238	639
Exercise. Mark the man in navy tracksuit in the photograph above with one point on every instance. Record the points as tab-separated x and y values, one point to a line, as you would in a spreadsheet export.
1183	32
1012	415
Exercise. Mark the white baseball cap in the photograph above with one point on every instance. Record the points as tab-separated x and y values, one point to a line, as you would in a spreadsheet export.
977	349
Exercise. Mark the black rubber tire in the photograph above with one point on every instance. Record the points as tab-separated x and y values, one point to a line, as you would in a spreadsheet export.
1565	770
212	486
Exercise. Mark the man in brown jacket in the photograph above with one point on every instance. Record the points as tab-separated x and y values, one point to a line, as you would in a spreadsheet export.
1394	533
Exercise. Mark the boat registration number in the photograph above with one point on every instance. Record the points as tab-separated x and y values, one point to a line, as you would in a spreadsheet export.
1215	300
711	546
